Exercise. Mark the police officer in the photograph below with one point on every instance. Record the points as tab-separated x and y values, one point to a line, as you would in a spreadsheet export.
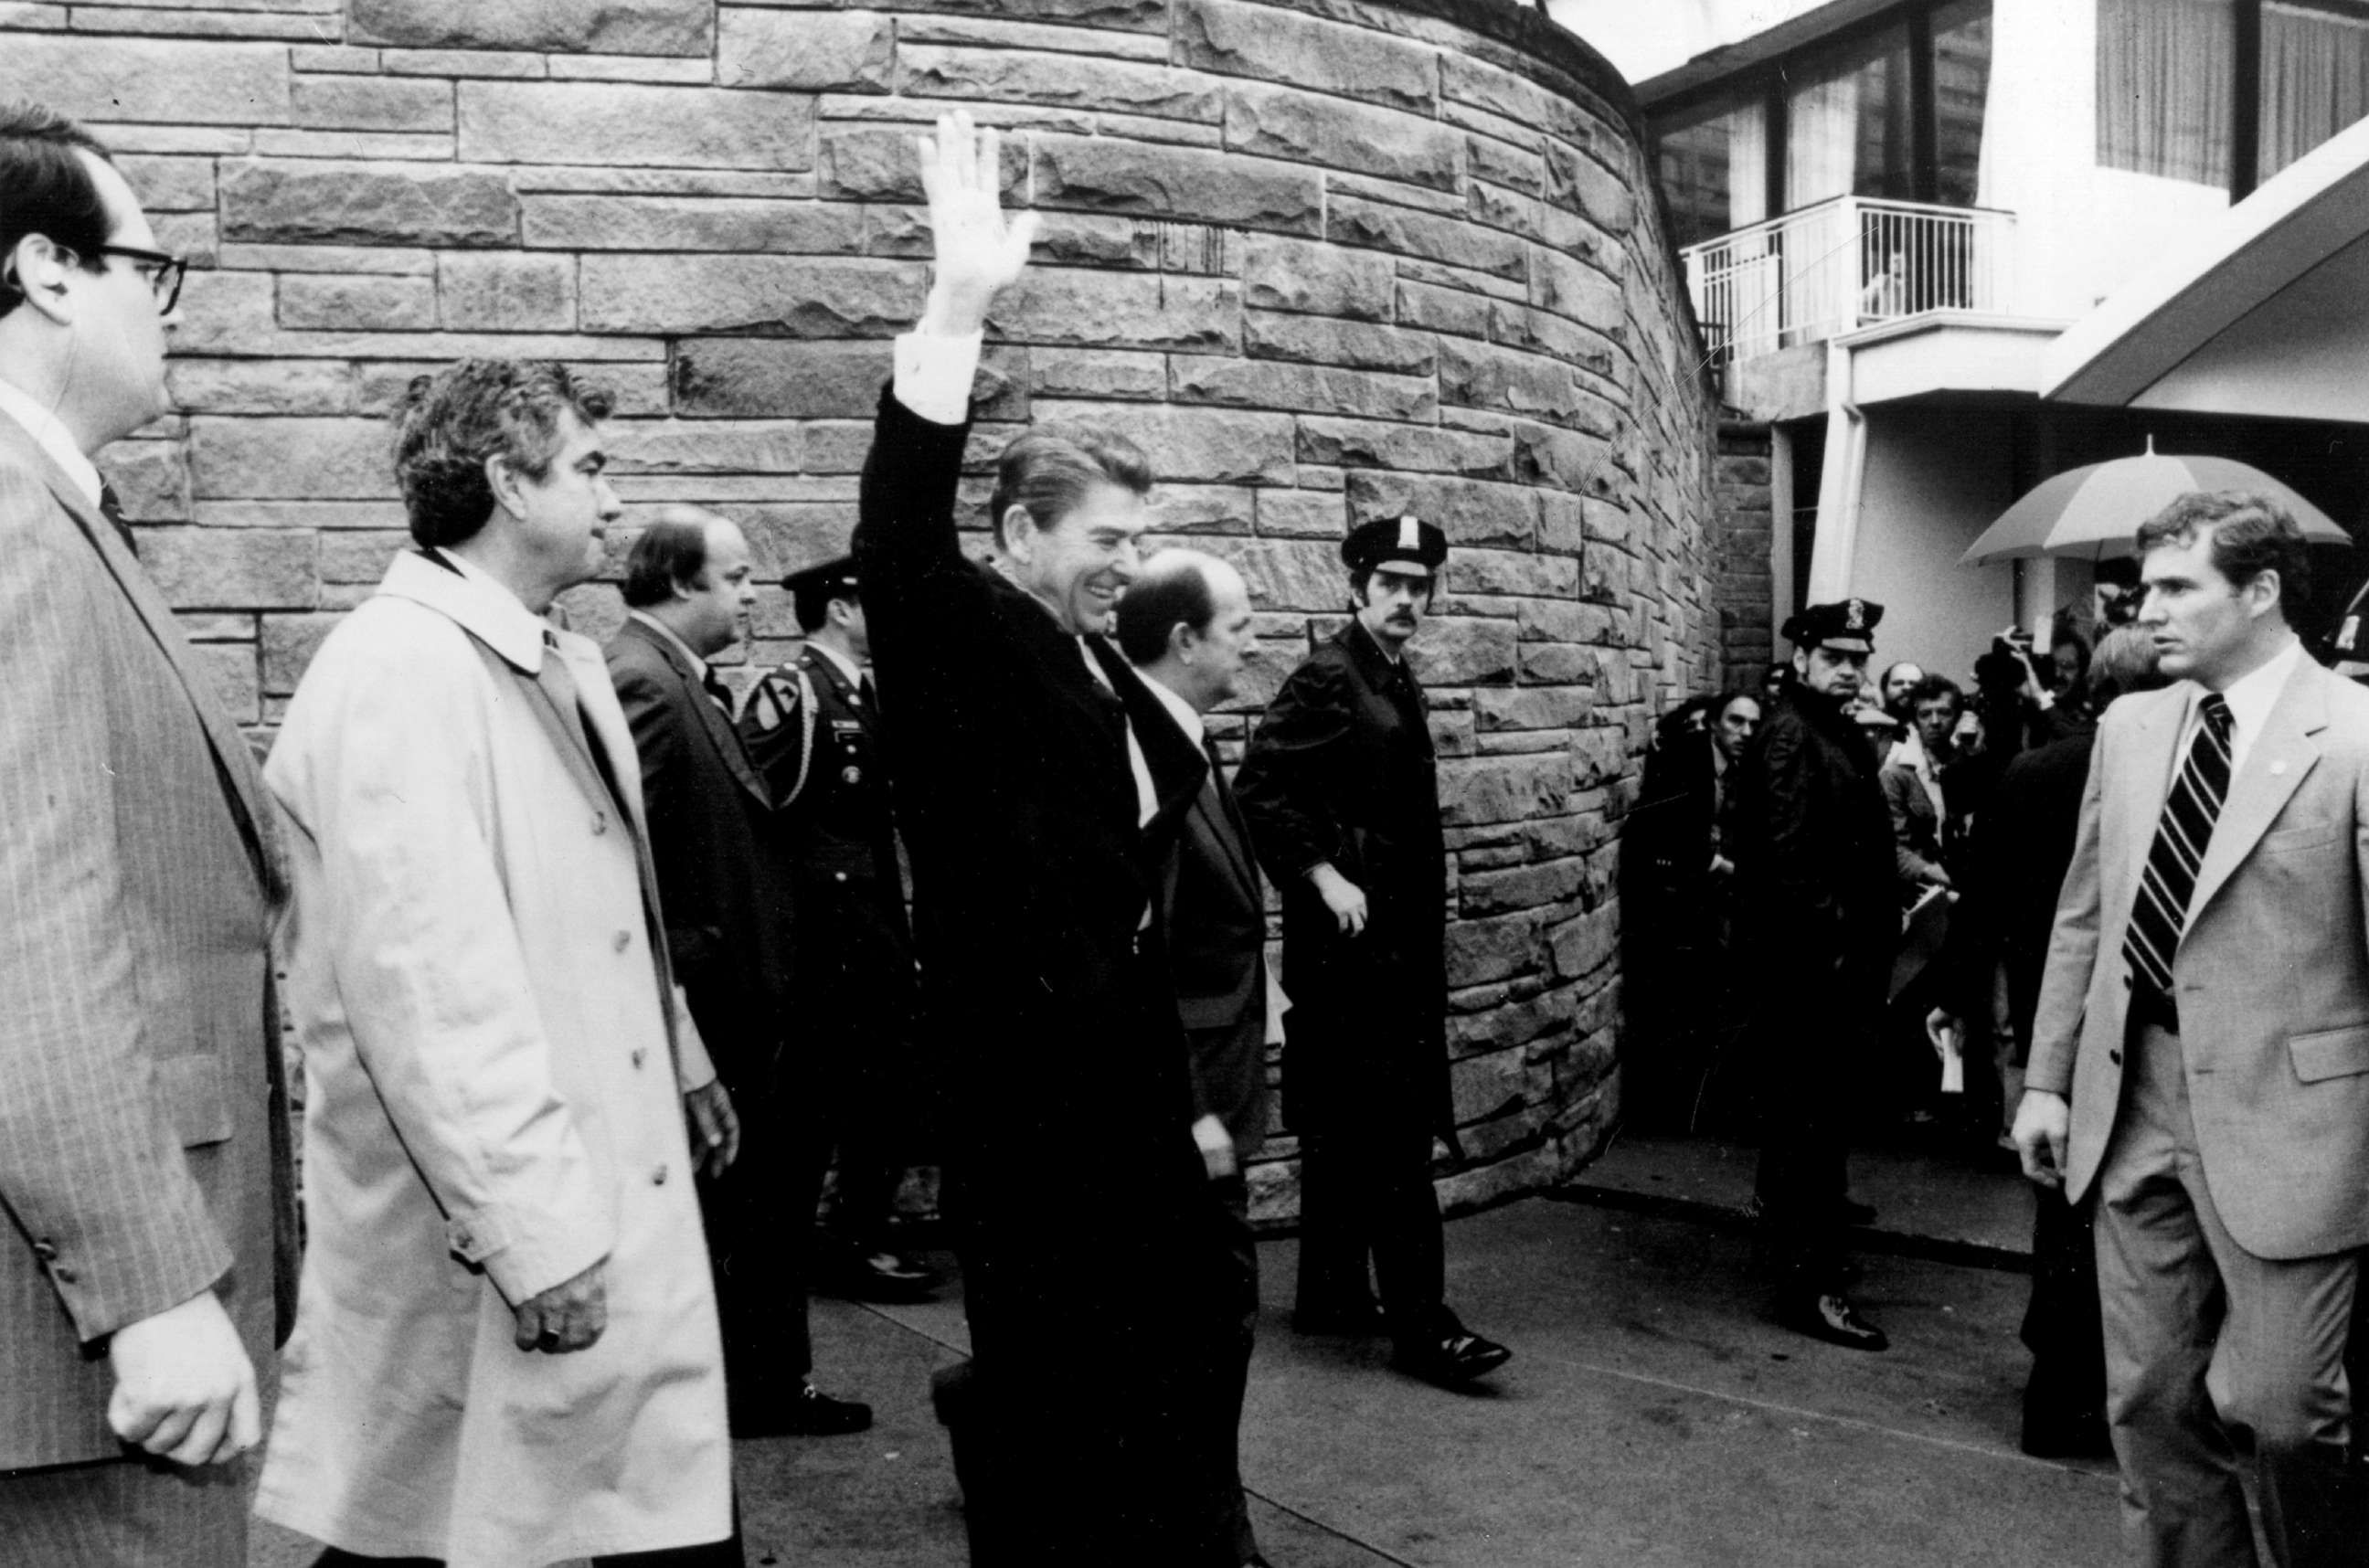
811	727
1339	789
1819	920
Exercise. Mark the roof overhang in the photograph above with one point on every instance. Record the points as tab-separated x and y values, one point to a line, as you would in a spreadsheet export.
1957	351
1717	67
2263	314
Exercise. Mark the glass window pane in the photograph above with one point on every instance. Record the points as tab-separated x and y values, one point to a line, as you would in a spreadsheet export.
1714	168
2164	87
1847	124
1961	80
2315	79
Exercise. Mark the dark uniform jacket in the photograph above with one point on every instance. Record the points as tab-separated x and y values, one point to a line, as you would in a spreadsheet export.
853	953
1684	809
1816	900
1342	770
722	887
1031	872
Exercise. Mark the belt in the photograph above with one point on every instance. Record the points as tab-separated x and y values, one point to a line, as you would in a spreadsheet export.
2152	1009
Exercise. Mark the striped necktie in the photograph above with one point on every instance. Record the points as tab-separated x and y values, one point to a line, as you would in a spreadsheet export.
2161	909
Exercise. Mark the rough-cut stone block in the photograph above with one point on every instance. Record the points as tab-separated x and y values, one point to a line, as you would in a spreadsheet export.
1582	947
1584	348
1099	372
331	203
289	643
841	52
1112	175
876	163
359	304
361	555
225	568
1467	79
1521	887
1067	239
1275	45
1280	273
1314	514
1550	622
783	296
156	81
1202	510
707	446
1314	389
294	458
1290	574
1058	81
1326	342
1435	309
1121	310
1424	449
1210	445
503	292
602	27
1576	289
1458	651
229	671
1502	162
635	123
1533	707
1352	221
664	222
1578	183
371	103
1284	123
1126	16
743	378
170	184
1482	950
151	479
1503	789
259	387
1482	376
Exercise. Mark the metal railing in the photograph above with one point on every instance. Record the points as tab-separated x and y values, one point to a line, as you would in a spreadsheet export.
1846	263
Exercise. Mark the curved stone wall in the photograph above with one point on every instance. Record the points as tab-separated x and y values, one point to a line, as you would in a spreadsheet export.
1326	260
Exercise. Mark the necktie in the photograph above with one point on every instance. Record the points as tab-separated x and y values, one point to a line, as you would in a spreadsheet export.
1226	803
866	700
2161	909
717	691
111	506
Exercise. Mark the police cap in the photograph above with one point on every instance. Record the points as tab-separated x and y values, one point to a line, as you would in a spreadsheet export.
834	578
1847	626
1403	541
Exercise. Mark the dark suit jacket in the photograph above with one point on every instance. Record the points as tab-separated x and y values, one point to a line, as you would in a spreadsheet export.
722	883
144	1131
1031	874
1216	918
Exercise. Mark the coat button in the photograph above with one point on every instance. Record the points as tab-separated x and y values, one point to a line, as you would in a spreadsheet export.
640	1056
621	941
2115	1057
658	1176
600	822
838	876
46	1250
64	1275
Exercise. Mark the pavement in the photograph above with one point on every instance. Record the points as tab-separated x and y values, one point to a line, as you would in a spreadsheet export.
1650	1416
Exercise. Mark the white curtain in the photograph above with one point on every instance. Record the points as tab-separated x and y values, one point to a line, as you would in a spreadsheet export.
2164	92
2314	80
1821	141
1747	164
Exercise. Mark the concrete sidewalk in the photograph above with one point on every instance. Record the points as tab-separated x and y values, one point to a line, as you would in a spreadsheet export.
1650	1416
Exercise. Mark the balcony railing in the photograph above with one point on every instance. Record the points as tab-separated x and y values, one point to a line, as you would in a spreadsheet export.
1847	263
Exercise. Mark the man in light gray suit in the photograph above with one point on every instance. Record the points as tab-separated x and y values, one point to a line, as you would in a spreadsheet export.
143	1109
2205	1006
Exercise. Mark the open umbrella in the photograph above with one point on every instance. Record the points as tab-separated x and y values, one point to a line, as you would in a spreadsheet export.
2093	511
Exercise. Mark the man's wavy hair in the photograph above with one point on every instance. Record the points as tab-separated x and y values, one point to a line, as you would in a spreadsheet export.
2251	534
46	189
451	423
1048	470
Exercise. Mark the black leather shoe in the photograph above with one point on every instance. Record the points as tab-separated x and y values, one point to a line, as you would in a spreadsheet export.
1358	1320
2067	1435
1829	1315
809	1413
1451	1360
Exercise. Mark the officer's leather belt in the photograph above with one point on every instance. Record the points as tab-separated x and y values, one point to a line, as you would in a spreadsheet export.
2152	1009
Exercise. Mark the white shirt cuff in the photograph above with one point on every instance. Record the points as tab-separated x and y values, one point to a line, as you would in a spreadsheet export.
934	374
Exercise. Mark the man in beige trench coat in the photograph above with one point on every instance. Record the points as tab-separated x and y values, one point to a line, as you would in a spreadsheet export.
506	1349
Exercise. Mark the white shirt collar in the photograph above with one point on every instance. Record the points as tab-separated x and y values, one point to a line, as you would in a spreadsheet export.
698	665
1178	709
2252	696
847	666
52	437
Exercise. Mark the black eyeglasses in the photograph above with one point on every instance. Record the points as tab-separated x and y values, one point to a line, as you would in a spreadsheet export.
164	272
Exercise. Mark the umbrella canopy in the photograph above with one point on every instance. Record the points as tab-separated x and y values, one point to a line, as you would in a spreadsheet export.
2094	511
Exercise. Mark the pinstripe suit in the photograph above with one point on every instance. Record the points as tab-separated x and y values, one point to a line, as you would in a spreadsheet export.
142	1129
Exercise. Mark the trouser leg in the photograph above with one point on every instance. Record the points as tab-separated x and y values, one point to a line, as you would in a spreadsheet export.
1403	1220
1236	1327
129	1513
1333	1245
760	1219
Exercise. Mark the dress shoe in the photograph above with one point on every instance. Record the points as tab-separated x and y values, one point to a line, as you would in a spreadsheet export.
809	1413
1452	1360
1853	1212
1829	1315
1355	1321
2067	1435
885	1276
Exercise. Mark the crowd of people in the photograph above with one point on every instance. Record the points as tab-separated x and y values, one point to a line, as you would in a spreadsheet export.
597	972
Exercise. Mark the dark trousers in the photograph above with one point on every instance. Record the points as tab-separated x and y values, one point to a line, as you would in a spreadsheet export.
1229	1363
2061	1324
131	1513
1805	1155
1365	1191
760	1219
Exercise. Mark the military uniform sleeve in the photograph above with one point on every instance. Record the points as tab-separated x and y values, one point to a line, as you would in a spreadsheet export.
774	731
1282	784
91	1166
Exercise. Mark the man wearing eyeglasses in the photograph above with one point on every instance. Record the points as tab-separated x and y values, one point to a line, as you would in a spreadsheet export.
142	1131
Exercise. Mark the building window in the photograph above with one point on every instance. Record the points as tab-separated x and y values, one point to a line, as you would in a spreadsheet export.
1714	168
1962	82
1848	124
2166	94
2315	79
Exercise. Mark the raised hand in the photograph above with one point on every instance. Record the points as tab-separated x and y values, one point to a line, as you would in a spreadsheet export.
979	251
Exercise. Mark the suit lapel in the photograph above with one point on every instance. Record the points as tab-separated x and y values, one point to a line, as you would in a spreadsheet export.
720	733
1225	828
231	751
2276	761
2155	750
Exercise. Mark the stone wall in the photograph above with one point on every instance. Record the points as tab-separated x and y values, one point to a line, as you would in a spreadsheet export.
1327	259
1741	538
